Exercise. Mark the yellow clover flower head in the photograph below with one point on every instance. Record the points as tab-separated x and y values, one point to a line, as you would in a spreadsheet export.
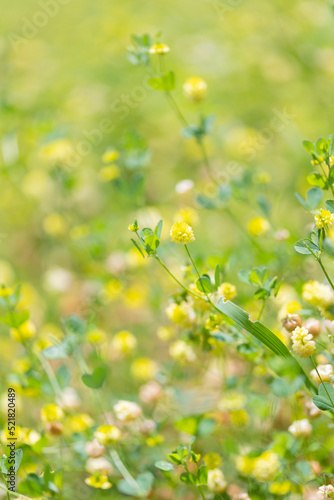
324	219
144	369
110	156
228	291
216	481
280	488
25	332
181	232
98	480
302	343
258	226
266	467
159	48
212	460
107	434
124	342
134	226
52	413
317	294
195	88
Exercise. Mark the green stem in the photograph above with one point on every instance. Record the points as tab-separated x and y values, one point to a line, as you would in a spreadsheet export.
201	492
6	485
325	272
197	272
156	256
316	369
262	309
125	473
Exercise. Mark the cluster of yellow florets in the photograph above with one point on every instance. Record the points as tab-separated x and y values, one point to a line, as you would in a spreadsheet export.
258	226
216	481
159	48
262	468
181	314
317	294
195	88
181	232
227	290
302	343
324	219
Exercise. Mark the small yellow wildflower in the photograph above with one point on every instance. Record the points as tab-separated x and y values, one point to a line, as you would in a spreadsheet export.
98	480
228	291
239	417
109	173
302	343
266	467
26	331
144	369
107	434
280	488
181	314
134	226
96	336
324	219
165	333
182	352
245	465
317	294
181	232
54	224
212	460
216	481
195	88
124	342
159	48
110	156
258	226
52	413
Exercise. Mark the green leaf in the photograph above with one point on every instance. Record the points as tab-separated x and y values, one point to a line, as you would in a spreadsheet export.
202	476
316	179
96	379
144	482
15	319
205	202
328	246
158	228
55	352
188	425
217	276
314	197
75	325
262	333
331	146
163	465
138	247
300	247
302	201
31	486
204	284
329	204
323	403
188	478
244	275
166	82
308	145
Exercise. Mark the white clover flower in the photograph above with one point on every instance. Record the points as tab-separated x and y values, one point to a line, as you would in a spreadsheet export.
100	464
300	428
216	481
182	352
325	372
302	343
127	411
326	492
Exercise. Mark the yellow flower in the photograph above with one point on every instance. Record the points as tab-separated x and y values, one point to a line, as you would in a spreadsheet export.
213	322
54	224
182	352
216	481
78	423
144	369
258	226
324	219
181	314
6	292
195	88
245	465
165	333
159	48
109	173
239	417
280	488
187	215
212	460
134	226
26	331
107	434
96	336
232	402
181	232
98	480
124	342
228	291
154	440
110	156
317	294
266	466
52	413
58	151
302	343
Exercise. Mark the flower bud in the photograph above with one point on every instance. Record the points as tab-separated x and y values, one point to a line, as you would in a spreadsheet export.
291	322
313	326
54	428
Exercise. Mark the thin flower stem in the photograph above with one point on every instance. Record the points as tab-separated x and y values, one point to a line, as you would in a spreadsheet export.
197	272
7	490
316	369
13	493
325	272
201	492
124	471
262	309
175	278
